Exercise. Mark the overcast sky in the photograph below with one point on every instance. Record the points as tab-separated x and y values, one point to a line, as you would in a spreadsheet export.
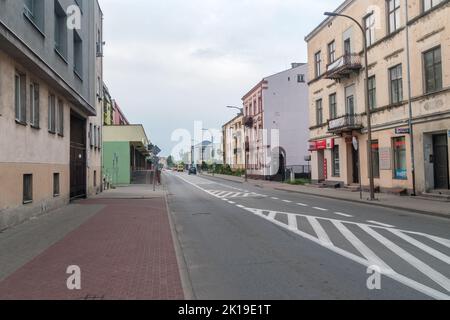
169	63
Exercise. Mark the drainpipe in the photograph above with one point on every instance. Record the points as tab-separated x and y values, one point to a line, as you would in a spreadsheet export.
410	120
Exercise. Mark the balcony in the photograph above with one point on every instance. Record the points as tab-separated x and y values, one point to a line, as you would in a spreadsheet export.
345	124
344	66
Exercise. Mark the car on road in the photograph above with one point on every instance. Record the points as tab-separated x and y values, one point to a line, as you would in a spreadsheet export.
180	168
192	171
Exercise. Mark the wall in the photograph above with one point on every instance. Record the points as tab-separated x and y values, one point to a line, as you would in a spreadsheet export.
118	174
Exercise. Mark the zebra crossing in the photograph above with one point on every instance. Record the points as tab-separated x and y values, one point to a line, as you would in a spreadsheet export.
437	284
234	194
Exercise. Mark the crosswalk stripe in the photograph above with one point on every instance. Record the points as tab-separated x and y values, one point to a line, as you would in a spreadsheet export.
228	194
416	263
302	204
272	215
235	195
292	221
380	224
420	245
361	247
318	229
442	241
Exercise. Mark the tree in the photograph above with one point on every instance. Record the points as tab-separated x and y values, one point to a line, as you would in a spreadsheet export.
170	162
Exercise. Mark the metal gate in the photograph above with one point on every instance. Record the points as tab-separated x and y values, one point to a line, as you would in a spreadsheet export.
440	146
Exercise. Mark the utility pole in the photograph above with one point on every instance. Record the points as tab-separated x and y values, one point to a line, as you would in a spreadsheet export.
410	119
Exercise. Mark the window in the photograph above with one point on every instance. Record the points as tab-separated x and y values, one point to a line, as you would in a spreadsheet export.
369	23
432	70
52	114
56	184
95	137
372	91
91	137
333	106
60	117
400	158
332	52
20	95
34	105
95	178
318	62
60	30
395	79
348	47
99	137
300	78
34	11
319	112
350	108
27	188
376	158
428	4
336	162
393	15
77	54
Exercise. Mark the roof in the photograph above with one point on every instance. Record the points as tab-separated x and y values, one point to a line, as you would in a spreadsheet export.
233	120
327	20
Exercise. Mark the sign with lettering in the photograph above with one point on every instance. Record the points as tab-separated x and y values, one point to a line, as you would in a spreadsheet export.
321	145
402	131
325	169
385	158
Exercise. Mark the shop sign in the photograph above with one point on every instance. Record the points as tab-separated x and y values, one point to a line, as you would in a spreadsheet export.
325	169
321	144
402	131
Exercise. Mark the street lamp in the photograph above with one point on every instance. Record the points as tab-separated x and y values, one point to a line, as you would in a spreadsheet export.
241	112
366	95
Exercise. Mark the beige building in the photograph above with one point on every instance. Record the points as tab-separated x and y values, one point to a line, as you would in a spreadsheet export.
48	74
337	104
234	143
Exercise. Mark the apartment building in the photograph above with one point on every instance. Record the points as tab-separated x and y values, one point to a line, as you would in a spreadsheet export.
48	71
234	143
276	110
408	92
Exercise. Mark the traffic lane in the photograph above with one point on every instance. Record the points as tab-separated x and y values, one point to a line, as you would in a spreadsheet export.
360	212
232	254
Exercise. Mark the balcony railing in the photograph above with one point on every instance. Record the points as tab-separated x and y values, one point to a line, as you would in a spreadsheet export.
344	66
348	122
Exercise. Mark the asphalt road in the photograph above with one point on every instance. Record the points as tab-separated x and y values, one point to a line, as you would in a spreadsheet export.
242	242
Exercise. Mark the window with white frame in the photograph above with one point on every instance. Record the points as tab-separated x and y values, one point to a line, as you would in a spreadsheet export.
34	105
393	15
369	23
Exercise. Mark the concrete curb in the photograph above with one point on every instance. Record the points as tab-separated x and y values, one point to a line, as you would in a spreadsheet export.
377	204
182	264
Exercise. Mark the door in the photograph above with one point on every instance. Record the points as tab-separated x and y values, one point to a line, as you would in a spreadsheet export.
347	47
440	161
351	105
77	157
355	165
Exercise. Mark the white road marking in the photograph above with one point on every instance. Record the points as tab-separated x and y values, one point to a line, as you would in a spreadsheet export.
434	275
302	204
343	214
321	234
287	201
272	215
231	202
274	198
292	222
422	246
228	194
320	209
361	247
240	206
380	224
411	283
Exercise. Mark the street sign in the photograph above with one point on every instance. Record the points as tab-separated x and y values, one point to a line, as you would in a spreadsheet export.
402	131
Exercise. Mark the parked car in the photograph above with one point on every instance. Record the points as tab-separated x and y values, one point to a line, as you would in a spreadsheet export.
180	168
192	171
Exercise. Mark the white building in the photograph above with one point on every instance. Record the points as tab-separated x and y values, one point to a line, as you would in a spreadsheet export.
282	114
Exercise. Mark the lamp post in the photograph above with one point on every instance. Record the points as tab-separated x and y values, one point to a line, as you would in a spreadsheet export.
241	112
366	96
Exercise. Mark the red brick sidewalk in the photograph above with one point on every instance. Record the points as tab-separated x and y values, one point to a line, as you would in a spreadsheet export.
125	251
